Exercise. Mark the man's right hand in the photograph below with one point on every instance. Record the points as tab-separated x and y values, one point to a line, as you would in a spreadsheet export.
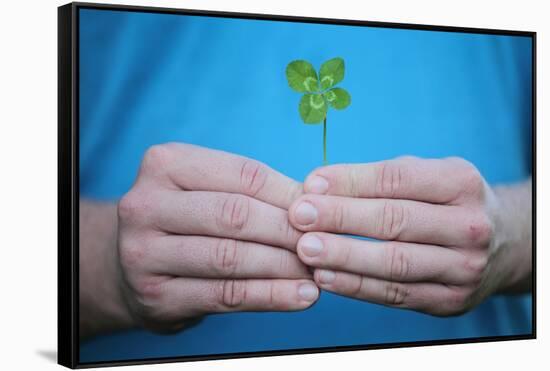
203	231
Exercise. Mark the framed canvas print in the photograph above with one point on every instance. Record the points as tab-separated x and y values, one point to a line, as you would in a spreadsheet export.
237	185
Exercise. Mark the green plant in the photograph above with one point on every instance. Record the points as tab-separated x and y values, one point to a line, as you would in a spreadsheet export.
320	93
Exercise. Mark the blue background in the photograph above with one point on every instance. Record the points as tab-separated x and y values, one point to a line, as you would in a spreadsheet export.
151	78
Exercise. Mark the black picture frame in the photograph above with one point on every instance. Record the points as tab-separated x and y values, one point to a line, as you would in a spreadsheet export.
68	180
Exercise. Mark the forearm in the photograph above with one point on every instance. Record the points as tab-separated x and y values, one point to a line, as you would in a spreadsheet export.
515	237
102	308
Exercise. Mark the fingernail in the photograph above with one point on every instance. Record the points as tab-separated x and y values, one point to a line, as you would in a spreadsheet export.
317	184
305	214
326	276
311	245
308	291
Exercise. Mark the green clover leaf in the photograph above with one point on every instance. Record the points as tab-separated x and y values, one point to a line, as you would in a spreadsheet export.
314	105
302	77
313	108
337	98
331	72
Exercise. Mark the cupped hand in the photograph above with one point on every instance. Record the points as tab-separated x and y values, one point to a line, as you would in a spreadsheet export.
435	226
203	231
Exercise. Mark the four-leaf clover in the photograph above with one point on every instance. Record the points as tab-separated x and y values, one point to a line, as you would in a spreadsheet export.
320	93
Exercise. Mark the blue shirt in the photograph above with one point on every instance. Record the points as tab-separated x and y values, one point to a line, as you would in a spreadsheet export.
220	83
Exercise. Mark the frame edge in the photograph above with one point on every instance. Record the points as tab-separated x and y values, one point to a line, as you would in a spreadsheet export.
68	338
67	326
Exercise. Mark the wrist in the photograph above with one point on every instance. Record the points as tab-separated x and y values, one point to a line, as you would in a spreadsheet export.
102	307
513	243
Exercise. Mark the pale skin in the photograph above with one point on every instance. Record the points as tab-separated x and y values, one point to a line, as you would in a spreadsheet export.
448	239
203	231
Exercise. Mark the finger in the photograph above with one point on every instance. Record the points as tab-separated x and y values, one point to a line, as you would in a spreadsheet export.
200	296
225	215
211	257
431	298
393	261
193	168
429	180
385	219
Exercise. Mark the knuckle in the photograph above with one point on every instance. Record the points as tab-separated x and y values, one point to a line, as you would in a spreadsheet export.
480	230
234	213
149	289
408	158
253	177
271	301
131	257
397	263
391	220
149	296
475	268
389	178
395	293
128	206
344	257
284	262
457	302
460	163
225	257
134	206
339	216
353	186
456	160
472	181
151	306
357	289
233	293
290	233
156	158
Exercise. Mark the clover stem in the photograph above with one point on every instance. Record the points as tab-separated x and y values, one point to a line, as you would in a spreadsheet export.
325	162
